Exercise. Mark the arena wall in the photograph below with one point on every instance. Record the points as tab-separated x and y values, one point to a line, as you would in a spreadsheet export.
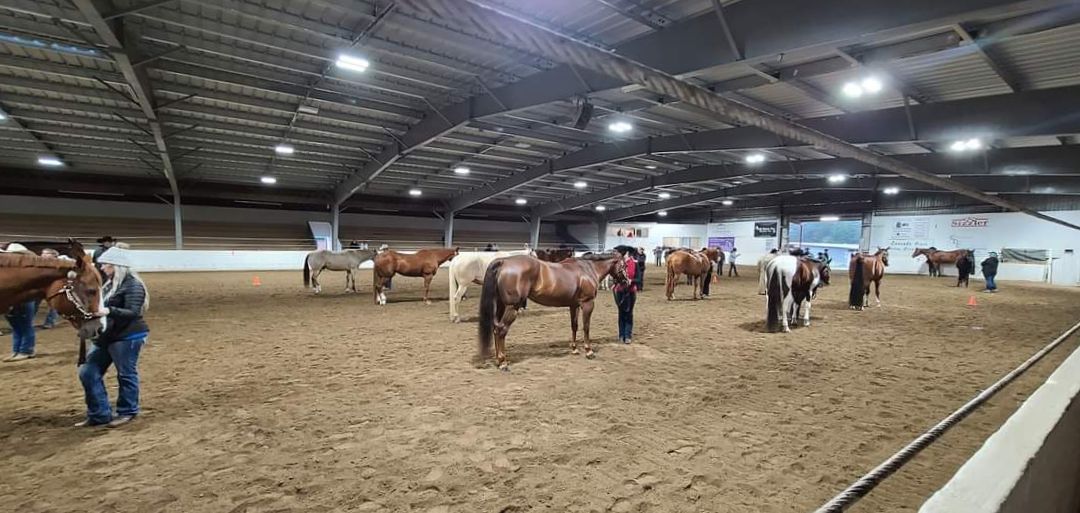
1032	463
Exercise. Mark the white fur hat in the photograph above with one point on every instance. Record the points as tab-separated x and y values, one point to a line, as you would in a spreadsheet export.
116	256
15	247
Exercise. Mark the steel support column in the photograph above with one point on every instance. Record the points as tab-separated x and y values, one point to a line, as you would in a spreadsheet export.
784	233
448	230
178	222
335	227
865	233
534	232
601	233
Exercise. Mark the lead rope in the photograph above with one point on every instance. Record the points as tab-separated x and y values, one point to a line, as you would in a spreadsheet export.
865	484
82	351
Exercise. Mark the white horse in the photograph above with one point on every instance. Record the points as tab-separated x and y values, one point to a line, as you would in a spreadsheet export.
762	275
469	267
348	261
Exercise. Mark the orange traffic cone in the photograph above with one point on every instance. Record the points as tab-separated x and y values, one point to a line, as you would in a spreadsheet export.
971	301
255	281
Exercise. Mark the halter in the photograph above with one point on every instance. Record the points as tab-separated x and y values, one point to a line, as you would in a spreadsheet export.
69	290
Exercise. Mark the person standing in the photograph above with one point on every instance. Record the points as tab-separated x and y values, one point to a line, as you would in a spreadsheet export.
126	300
641	260
732	257
989	270
826	258
104	243
52	316
658	252
626	297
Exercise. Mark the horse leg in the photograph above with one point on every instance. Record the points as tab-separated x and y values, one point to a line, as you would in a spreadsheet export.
788	307
427	287
805	313
586	317
877	292
315	280
455	299
502	328
349	287
573	329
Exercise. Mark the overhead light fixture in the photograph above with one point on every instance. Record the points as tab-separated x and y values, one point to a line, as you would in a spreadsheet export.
3	116
872	85
620	127
852	90
268	180
580	184
521	201
415	192
966	145
50	161
284	149
600	208
353	63
891	190
828	219
727	203
662	213
755	158
973	144
665	195
522	145
837	178
462	170
308	109
650	167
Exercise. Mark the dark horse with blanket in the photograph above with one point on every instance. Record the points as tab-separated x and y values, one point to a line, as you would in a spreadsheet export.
572	283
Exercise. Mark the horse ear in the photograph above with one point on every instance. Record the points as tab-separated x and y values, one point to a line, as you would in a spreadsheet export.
76	247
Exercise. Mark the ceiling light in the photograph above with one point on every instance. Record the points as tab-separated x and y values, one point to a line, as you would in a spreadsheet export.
871	85
620	127
522	145
665	195
268	180
50	161
650	167
462	170
969	145
284	149
3	115
837	178
600	208
580	184
973	144
415	192
891	190
827	219
852	90
353	63
521	201
755	158
958	146
308	109
727	203
662	213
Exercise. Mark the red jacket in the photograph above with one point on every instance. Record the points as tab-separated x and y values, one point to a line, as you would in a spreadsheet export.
631	271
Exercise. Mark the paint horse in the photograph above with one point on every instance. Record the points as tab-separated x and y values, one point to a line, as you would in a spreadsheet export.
424	263
763	277
864	269
793	283
348	261
694	265
936	258
469	268
571	283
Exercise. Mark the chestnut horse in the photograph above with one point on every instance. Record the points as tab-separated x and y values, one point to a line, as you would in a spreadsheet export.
935	258
423	263
864	269
792	281
554	255
695	266
572	283
71	286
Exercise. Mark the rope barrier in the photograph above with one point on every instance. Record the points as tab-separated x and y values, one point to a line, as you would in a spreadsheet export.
868	482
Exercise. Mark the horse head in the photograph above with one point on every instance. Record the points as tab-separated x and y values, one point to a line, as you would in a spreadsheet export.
884	254
824	272
78	296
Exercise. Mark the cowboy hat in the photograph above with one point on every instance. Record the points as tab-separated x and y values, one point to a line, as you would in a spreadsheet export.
15	247
116	256
107	238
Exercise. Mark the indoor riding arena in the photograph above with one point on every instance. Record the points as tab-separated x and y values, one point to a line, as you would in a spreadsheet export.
435	256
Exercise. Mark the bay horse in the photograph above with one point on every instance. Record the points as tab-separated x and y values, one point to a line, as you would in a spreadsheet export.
424	263
469	267
793	283
965	267
864	269
72	286
348	261
695	266
572	283
935	258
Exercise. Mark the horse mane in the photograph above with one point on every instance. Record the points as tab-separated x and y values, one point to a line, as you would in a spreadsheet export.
596	257
24	260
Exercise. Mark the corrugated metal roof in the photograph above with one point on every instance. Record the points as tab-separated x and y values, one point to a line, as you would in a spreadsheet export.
1044	59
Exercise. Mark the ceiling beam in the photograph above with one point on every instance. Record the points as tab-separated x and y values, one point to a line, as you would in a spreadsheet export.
984	49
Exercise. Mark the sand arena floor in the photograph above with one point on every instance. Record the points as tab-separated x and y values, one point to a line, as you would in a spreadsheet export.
269	399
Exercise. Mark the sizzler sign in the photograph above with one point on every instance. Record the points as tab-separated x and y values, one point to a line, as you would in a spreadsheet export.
970	222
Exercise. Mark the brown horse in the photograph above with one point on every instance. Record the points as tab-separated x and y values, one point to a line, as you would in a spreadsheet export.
864	269
71	286
935	258
424	263
554	255
695	266
572	283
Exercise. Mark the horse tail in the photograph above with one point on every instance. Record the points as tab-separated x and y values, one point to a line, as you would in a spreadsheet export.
307	271
774	298
855	295
488	296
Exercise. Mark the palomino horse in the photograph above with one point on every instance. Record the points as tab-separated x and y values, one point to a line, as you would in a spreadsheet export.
571	283
348	261
71	286
935	258
423	263
469	268
763	277
864	269
695	266
965	267
792	281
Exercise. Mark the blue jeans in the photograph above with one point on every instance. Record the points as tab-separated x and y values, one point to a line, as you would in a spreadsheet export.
125	355
990	284
52	317
21	319
624	302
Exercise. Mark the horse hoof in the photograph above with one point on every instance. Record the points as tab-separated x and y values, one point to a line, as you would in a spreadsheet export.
590	355
787	329
575	351
504	368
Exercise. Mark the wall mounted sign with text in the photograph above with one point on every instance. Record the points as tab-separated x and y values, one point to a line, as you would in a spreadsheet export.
765	229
